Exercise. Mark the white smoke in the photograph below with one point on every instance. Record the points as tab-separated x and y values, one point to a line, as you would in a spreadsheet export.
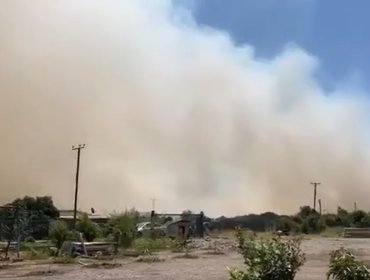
169	110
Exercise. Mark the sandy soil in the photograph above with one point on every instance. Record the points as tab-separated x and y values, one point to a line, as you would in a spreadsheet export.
206	266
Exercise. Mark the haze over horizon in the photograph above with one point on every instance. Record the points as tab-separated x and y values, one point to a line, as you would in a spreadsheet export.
172	108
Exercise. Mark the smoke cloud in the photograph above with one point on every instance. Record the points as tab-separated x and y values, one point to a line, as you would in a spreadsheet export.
168	109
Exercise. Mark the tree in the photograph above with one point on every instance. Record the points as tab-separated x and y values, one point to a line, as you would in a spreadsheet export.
14	225
58	233
343	217
41	211
88	228
311	221
187	215
305	211
359	218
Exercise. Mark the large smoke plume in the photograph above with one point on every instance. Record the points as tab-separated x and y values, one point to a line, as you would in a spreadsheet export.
168	109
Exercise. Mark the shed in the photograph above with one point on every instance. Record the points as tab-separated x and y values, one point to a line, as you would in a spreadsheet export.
180	228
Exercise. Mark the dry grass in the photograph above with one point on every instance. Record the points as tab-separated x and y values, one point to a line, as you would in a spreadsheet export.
149	259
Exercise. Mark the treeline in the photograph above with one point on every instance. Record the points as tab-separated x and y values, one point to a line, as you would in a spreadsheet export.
29	215
307	220
35	215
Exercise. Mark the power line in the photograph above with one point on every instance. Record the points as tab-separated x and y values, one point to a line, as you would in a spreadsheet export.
315	184
78	148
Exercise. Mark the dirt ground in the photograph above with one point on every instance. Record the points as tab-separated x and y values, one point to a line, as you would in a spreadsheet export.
209	264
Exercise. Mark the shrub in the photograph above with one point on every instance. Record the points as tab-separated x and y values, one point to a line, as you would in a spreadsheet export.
287	225
359	218
123	229
142	244
89	229
268	259
29	239
344	266
58	233
34	254
313	223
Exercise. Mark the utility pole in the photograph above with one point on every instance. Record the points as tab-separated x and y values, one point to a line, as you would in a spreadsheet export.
320	206
153	203
315	184
78	148
355	206
152	217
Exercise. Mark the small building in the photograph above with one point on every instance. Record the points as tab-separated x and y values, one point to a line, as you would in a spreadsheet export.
179	229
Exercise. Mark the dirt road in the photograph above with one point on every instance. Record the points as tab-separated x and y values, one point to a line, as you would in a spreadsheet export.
206	266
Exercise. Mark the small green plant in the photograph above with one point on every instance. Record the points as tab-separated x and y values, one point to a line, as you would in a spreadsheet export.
268	259
344	266
59	233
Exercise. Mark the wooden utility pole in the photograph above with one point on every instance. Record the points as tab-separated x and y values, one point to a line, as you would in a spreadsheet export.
78	148
320	206
153	203
315	184
355	206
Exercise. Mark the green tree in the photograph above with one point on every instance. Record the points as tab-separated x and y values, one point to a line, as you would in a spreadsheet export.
88	228
359	218
343	217
14	225
305	211
41	211
58	233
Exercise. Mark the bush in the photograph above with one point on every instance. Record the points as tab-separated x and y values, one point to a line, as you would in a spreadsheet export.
36	254
58	233
287	225
143	244
344	266
29	239
313	223
268	259
359	218
123	229
88	228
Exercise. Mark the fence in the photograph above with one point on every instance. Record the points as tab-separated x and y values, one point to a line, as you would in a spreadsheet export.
356	233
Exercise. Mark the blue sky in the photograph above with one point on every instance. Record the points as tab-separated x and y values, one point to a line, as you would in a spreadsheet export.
335	31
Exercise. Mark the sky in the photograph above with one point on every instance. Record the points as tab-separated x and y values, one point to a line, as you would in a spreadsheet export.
334	31
226	107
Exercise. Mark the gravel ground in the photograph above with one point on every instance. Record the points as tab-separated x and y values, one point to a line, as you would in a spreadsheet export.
209	264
